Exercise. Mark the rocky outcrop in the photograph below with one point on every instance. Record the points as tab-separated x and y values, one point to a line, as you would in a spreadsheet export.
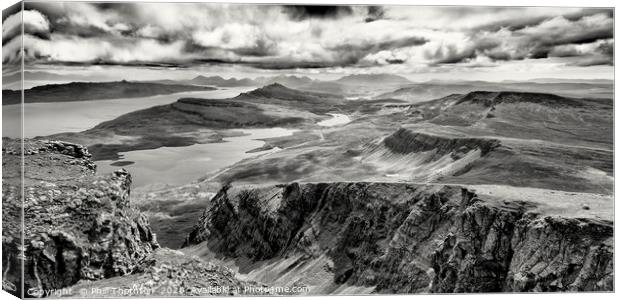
80	231
557	254
509	249
404	141
88	232
171	273
406	238
76	225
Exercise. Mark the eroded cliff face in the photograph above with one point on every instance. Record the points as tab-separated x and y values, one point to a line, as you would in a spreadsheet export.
404	141
76	225
88	232
407	238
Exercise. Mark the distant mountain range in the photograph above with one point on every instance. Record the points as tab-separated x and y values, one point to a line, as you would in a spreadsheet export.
382	86
295	81
48	76
290	80
219	81
372	86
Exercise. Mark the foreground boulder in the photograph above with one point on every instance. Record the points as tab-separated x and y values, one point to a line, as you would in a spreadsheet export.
402	238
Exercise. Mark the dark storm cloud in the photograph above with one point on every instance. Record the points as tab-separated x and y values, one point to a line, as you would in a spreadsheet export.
292	64
303	12
536	39
272	64
451	55
78	31
112	6
600	53
606	48
395	61
261	48
353	53
367	47
515	24
344	55
375	13
65	18
511	24
11	10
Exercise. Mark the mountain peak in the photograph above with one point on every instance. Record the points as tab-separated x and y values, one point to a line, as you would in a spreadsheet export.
277	90
272	90
275	85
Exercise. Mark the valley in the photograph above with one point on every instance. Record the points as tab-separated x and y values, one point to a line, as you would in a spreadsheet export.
279	186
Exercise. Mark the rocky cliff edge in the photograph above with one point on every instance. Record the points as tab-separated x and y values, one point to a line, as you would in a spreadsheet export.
403	238
79	228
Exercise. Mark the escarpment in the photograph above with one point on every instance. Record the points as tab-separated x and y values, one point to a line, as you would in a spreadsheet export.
493	98
406	238
190	114
417	156
404	141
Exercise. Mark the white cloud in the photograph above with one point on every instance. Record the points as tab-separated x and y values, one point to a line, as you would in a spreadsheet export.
85	50
85	14
229	36
415	37
33	20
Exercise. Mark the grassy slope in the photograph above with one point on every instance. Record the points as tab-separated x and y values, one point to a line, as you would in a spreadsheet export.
546	141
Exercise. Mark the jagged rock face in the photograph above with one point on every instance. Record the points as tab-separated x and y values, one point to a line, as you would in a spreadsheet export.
556	254
525	253
84	230
76	225
405	238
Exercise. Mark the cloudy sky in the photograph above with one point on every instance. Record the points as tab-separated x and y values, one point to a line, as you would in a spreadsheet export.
418	42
